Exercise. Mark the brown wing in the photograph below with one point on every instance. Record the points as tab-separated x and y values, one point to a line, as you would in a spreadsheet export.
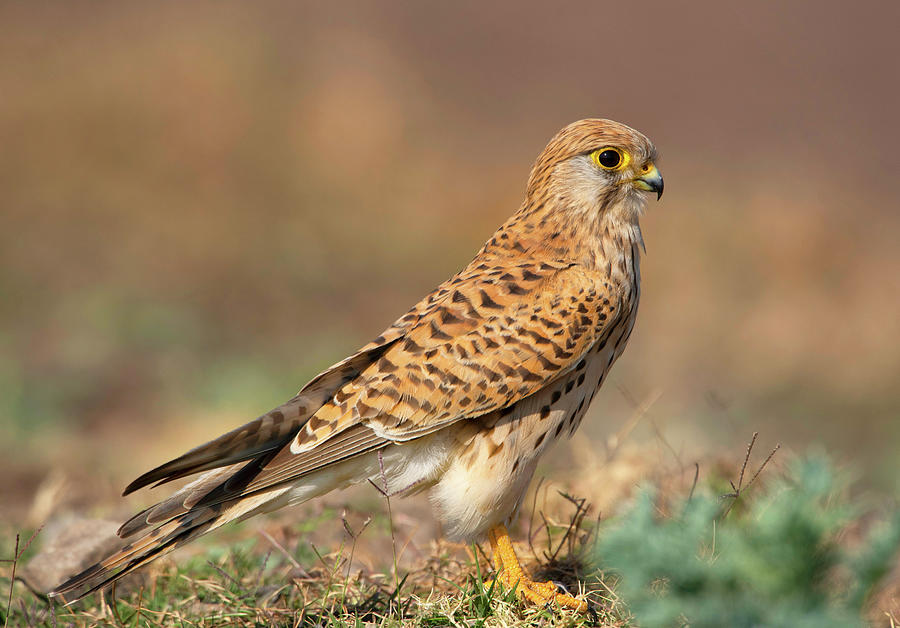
493	339
272	430
482	341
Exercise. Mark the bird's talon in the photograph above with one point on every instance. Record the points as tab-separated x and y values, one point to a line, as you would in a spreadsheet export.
514	578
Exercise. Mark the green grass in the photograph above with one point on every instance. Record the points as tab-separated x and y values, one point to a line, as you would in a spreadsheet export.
244	588
798	549
260	582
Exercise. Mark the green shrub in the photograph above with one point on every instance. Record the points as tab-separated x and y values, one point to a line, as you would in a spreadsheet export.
775	562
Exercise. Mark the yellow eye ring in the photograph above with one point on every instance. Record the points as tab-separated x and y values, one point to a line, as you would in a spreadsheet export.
610	158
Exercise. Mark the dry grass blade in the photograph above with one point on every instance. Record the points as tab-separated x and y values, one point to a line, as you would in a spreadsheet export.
574	523
763	465
12	581
694	483
614	442
387	499
287	555
354	537
737	491
17	554
534	509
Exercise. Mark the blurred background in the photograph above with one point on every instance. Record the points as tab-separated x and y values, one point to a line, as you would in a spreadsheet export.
205	204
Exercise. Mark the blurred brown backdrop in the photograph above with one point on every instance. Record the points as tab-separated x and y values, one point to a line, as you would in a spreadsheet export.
204	204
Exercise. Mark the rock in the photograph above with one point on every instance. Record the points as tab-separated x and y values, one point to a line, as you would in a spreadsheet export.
68	545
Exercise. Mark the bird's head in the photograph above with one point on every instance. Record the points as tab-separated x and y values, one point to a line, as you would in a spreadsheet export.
596	166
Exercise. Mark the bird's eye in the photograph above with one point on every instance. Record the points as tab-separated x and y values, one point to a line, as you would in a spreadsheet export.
608	158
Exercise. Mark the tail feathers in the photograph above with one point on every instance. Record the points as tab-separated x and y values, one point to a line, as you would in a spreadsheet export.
156	543
162	540
261	475
179	503
269	432
258	437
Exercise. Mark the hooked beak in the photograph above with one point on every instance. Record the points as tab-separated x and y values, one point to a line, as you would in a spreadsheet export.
650	181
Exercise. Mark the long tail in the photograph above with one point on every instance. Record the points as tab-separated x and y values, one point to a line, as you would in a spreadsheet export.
214	499
165	537
237	482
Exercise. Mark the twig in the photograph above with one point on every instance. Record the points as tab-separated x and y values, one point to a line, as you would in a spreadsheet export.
234	581
387	498
547	527
331	571
744	466
661	437
12	582
17	554
140	606
763	465
262	572
640	411
574	522
283	551
114	608
352	547
740	488
531	517
696	477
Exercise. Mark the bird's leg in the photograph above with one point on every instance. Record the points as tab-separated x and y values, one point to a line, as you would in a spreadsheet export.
513	576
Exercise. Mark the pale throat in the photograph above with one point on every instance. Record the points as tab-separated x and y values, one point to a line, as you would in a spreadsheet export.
570	227
607	239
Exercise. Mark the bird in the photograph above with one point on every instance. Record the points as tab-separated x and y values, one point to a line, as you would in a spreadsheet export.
463	394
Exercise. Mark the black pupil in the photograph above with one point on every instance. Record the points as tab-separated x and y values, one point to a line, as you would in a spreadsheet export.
609	158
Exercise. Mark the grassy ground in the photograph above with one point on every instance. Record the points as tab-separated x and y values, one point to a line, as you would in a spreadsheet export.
272	575
375	564
346	559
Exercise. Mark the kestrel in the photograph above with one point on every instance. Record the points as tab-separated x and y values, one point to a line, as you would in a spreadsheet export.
462	394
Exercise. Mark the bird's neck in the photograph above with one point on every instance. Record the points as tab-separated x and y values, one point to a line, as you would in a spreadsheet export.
607	240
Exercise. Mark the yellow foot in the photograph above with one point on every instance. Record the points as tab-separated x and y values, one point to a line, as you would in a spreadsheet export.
511	574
